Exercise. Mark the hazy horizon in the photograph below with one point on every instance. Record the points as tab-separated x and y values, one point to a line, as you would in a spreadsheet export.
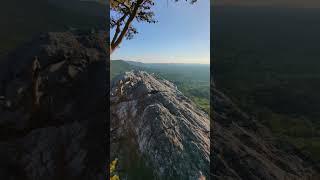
171	39
159	62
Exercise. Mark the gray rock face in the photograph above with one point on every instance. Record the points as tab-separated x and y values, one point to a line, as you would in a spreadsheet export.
170	133
242	148
53	110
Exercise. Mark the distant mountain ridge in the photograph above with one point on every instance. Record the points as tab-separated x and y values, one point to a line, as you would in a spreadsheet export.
120	66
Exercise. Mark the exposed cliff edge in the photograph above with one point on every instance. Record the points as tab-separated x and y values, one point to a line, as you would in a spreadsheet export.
168	129
172	135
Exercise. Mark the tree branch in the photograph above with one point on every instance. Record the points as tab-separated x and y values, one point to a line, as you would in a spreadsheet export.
118	29
127	25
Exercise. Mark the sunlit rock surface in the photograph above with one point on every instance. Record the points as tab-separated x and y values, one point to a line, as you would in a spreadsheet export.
170	132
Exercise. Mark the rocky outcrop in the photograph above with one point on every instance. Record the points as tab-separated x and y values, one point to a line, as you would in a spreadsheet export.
170	133
242	148
53	109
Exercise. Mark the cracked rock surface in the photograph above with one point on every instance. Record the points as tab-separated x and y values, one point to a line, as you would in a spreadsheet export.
169	131
172	135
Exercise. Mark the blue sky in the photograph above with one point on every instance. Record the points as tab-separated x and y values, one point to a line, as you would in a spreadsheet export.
182	35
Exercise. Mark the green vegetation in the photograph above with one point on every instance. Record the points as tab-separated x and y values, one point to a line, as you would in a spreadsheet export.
198	91
113	173
191	79
118	67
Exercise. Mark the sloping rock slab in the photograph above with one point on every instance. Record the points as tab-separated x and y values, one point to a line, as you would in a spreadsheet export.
170	132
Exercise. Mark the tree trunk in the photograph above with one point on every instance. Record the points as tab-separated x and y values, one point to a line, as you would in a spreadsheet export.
116	42
111	50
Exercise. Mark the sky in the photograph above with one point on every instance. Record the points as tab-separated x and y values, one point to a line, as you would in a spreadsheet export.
181	35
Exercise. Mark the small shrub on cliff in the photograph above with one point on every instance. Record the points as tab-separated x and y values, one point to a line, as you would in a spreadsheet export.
113	175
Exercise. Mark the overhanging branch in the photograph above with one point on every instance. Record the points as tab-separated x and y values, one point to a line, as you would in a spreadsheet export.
118	39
